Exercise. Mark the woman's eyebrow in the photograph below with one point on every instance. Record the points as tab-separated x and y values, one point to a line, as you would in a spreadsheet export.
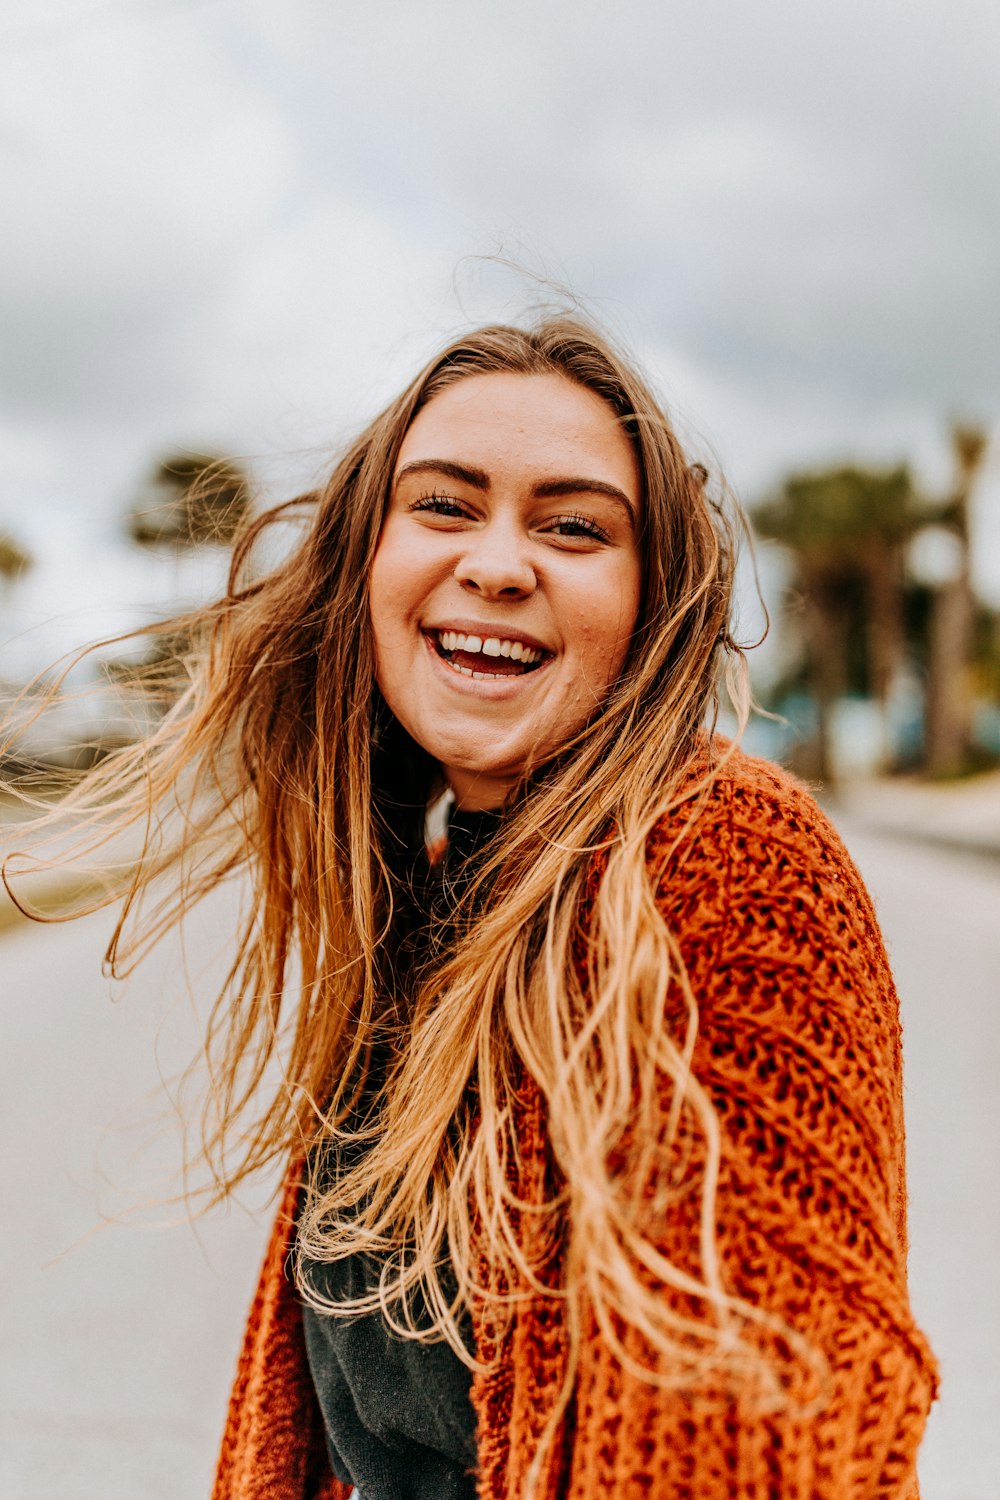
464	473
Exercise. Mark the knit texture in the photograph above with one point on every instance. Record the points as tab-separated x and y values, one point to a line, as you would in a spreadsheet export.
799	1048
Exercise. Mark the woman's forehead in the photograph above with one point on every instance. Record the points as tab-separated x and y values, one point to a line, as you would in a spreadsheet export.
516	421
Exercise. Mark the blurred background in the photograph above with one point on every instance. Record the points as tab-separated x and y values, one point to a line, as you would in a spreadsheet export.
232	230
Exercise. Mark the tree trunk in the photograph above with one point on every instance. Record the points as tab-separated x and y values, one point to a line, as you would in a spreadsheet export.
886	633
826	646
949	707
948	720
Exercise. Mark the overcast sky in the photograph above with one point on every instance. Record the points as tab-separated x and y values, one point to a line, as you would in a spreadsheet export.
243	223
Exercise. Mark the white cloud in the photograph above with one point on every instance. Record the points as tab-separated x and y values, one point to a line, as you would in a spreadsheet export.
133	163
26	458
137	163
239	223
318	308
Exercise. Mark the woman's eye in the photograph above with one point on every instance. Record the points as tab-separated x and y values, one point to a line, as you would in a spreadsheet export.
577	526
440	505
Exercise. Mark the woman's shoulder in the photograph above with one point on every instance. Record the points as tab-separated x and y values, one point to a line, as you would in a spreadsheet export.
729	800
744	832
757	790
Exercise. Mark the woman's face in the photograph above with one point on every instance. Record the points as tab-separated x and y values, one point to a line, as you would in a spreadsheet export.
505	587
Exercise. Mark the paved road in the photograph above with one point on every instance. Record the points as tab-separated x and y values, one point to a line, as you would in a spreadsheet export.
118	1340
940	913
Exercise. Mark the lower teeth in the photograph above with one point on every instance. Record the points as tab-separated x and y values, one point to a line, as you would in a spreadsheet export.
488	676
481	676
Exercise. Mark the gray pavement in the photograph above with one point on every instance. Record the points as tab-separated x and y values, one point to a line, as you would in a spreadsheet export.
940	913
118	1338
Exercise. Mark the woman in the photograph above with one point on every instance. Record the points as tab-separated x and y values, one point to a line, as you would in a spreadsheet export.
594	1117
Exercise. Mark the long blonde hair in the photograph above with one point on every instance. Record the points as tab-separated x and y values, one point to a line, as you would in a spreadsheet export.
278	760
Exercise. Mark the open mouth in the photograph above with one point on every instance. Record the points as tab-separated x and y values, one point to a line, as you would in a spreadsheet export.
489	657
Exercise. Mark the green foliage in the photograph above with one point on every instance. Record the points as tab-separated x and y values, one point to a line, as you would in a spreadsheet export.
847	530
861	620
827	517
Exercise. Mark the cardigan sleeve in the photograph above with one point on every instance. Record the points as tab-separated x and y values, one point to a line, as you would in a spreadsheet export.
273	1446
799	1050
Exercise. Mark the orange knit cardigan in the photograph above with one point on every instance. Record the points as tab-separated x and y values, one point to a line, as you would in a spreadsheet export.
799	1047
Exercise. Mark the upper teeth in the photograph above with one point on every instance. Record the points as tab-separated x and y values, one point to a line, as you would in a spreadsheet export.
453	640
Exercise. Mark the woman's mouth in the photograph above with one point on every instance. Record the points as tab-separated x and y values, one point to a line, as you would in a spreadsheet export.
486	657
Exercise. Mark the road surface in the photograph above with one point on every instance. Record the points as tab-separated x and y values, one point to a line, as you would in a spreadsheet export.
119	1338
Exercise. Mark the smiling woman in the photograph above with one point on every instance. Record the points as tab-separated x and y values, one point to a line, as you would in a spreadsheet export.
505	588
591	1116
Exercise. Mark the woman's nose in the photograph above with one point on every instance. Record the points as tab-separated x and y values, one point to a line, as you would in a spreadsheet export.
496	564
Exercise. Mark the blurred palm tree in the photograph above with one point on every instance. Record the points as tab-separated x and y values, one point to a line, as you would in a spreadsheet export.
848	530
190	500
951	645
